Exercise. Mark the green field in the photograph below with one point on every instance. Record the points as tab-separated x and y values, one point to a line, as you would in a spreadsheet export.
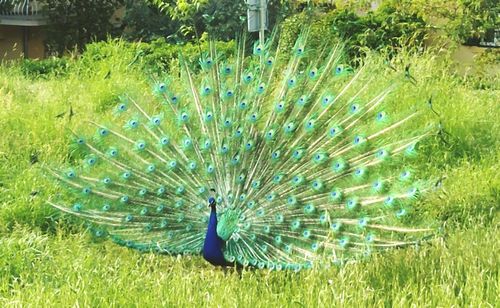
48	260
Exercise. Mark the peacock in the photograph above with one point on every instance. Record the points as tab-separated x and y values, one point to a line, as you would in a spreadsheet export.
269	157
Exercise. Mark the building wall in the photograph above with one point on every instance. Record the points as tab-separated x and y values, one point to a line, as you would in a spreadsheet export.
12	40
466	57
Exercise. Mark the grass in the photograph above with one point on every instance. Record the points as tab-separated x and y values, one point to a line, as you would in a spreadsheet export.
66	270
46	260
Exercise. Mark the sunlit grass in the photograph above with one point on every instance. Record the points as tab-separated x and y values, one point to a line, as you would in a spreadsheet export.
48	270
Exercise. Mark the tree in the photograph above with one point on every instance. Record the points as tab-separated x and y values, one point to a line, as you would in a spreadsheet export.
74	23
220	18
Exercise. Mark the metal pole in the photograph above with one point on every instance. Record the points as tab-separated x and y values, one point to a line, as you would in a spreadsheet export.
262	21
25	41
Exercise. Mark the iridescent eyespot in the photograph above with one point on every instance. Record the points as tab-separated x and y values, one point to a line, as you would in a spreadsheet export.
140	145
86	190
113	152
155	121
160	191
103	132
164	140
151	168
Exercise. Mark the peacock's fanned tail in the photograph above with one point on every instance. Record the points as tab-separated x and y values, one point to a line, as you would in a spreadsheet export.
307	158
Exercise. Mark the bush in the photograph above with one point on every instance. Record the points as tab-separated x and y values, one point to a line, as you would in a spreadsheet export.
155	57
382	29
43	69
463	21
158	55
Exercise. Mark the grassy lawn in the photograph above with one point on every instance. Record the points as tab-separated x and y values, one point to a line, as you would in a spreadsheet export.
48	260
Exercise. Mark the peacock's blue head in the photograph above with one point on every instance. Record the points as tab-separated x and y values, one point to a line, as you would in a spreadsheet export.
211	201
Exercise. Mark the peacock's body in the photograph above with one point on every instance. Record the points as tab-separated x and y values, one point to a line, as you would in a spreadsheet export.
306	162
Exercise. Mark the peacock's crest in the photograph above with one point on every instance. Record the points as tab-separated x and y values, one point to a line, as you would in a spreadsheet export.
306	156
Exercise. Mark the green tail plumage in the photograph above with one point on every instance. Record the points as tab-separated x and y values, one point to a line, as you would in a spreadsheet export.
306	155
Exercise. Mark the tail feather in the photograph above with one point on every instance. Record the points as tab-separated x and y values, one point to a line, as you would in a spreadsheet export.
307	158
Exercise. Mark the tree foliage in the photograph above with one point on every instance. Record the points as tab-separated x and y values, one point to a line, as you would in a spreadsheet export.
382	29
222	19
74	23
465	21
145	22
394	23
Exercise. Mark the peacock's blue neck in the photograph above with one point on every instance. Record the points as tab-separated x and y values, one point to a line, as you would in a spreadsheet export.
212	248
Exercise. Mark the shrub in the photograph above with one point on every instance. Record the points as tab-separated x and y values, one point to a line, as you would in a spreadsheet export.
382	29
153	57
464	21
51	67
